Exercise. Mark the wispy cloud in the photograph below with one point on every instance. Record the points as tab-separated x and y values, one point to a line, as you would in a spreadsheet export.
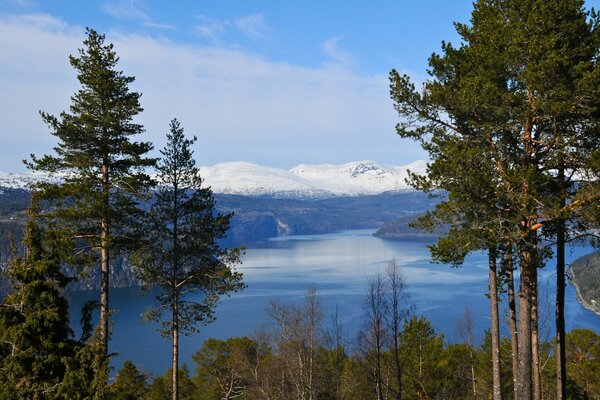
253	25
157	25
127	9
241	105
331	48
210	28
20	4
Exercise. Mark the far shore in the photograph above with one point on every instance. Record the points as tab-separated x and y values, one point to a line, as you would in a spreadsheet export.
580	299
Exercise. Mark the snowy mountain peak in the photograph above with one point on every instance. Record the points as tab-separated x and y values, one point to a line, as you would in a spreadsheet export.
305	180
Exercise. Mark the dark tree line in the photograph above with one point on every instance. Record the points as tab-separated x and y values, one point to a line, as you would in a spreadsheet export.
302	345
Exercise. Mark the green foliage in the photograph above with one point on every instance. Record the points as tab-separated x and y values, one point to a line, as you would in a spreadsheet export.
183	255
35	337
87	372
583	362
483	363
160	388
224	367
129	383
421	351
102	169
93	207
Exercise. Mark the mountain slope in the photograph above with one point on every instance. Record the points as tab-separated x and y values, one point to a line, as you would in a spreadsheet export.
357	178
351	179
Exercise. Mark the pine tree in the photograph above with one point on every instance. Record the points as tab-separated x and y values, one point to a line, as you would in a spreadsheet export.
183	256
523	84
129	383
35	336
101	168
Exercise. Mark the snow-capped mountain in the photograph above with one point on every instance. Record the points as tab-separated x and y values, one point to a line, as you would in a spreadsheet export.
18	180
244	178
350	179
358	178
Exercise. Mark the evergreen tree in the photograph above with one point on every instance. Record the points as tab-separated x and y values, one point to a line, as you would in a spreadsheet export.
35	338
129	383
184	256
421	349
101	168
522	87
161	388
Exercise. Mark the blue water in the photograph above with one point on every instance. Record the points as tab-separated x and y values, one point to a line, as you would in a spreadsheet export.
339	265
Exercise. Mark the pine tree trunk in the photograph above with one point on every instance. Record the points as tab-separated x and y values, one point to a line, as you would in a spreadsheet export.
105	271
175	331
495	325
561	365
535	353
175	289
524	387
514	337
528	265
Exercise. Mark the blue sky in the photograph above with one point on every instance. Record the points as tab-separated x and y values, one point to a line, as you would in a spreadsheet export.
276	83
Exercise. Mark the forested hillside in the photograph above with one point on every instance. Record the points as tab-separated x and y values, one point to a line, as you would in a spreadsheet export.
585	276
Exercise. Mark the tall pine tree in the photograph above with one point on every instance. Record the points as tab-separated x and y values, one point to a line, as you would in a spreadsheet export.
183	257
102	168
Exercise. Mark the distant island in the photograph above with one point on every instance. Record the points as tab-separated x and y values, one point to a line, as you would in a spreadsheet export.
399	229
585	277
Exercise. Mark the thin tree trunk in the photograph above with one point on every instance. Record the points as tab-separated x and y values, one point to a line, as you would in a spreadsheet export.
395	286
105	271
535	351
378	382
512	321
497	393
175	289
561	365
175	378
105	276
398	366
528	265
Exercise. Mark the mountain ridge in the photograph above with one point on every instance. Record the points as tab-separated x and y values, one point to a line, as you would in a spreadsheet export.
357	178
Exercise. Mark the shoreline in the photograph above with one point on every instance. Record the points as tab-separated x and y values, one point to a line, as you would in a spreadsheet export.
579	297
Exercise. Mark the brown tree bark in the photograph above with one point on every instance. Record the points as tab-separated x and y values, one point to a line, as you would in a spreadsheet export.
561	363
512	316
493	277
104	260
527	272
535	353
175	366
175	284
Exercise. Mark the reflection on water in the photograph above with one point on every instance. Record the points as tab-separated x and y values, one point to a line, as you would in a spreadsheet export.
339	265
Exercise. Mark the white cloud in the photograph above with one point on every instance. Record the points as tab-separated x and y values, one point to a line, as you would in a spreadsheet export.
210	28
127	9
331	49
253	25
157	25
240	105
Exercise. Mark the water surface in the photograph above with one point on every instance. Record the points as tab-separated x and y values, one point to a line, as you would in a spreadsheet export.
339	266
